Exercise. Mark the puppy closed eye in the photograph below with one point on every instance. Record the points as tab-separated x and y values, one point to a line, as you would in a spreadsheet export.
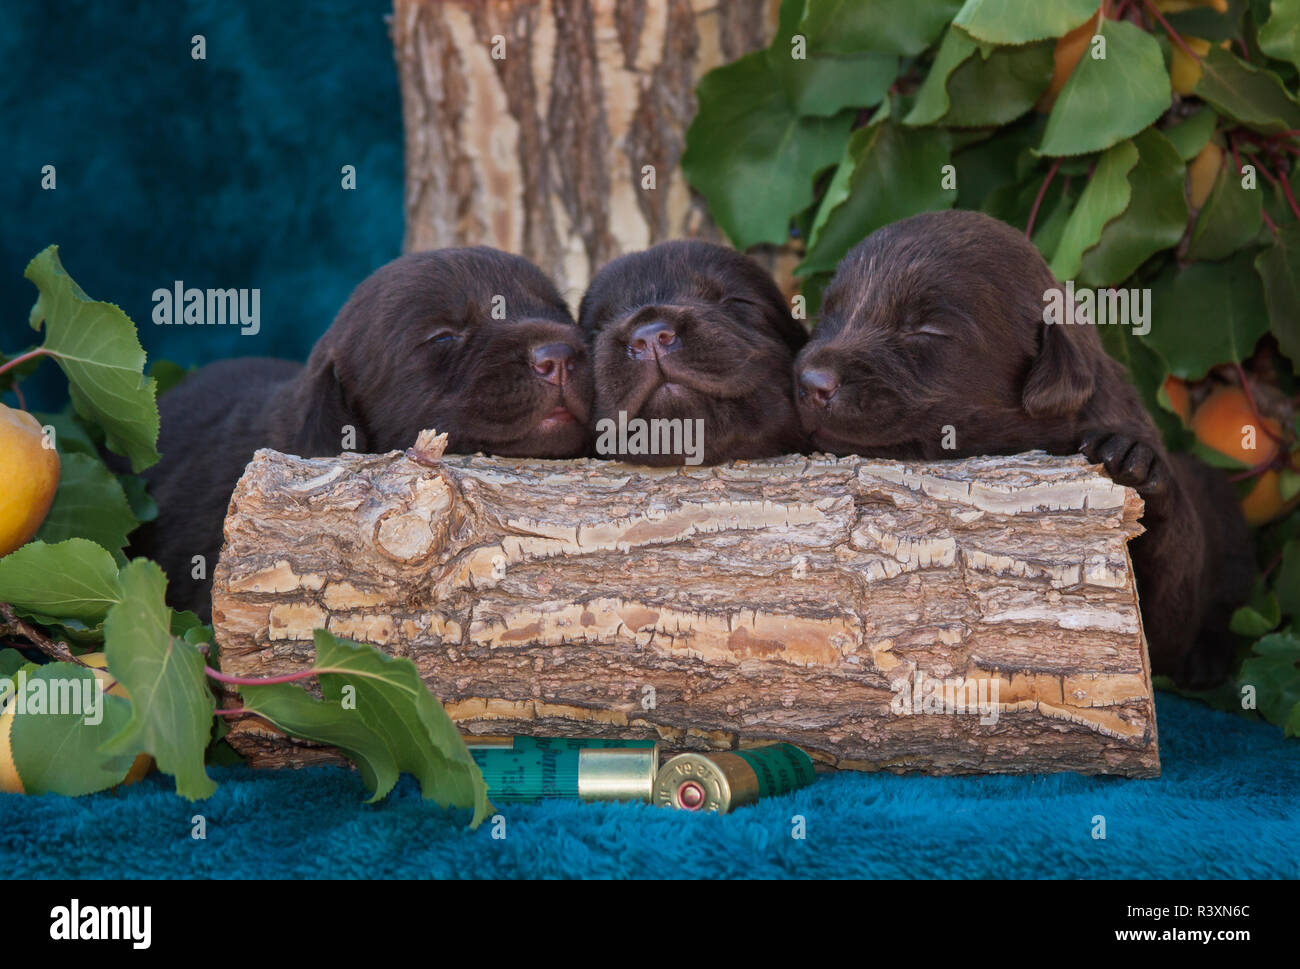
442	337
926	331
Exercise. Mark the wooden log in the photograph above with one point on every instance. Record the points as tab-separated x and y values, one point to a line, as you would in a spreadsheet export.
810	600
529	124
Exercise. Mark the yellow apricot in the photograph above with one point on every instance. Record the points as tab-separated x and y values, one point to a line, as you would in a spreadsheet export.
1202	172
29	476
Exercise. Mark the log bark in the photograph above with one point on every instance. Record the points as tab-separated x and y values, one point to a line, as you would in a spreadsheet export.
529	122
796	599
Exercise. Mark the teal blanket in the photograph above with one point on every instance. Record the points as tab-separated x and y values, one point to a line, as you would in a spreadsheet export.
1225	807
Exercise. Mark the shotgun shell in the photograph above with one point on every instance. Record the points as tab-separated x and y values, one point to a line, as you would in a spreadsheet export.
727	780
554	743
588	774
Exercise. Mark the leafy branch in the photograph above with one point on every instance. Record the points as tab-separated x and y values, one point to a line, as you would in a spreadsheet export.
71	590
1138	144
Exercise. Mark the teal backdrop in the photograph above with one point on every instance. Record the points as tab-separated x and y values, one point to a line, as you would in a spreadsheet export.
223	172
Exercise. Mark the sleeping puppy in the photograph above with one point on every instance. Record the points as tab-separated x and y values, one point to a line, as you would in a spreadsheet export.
938	320
694	333
473	342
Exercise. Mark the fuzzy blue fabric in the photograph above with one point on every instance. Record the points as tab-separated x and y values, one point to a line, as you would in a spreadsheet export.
223	173
1225	807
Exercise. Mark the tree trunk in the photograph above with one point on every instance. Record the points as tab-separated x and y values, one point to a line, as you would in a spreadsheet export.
529	123
812	601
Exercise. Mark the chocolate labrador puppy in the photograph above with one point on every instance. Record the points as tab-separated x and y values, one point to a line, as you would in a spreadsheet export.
696	334
938	320
473	342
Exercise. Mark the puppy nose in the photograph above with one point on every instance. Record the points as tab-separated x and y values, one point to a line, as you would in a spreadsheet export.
819	385
553	362
653	340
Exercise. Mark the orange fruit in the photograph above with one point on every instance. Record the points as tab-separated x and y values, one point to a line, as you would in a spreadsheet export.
1185	70
1264	502
1225	422
1178	6
99	663
29	476
1201	173
10	782
1176	392
1068	51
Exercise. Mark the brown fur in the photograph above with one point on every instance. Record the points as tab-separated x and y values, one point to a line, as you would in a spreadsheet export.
937	320
727	360
415	346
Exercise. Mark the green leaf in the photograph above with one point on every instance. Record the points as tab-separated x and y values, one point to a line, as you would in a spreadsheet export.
1280	37
822	85
812	288
1208	23
1215	459
1279	268
1246	94
394	702
1258	616
888	173
171	705
1018	22
75	579
1154	220
965	89
185	622
69	436
1207	314
1230	218
96	345
167	374
1105	198
296	712
1192	134
58	753
1112	98
89	503
1273	672
904	27
1248	621
993	163
11	661
136	489
1288	484
1012	203
750	153
1053	216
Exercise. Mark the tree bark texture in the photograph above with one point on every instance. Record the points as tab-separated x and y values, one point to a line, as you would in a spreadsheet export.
796	599
539	150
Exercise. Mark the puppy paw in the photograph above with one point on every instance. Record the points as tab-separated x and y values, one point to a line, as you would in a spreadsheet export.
1128	461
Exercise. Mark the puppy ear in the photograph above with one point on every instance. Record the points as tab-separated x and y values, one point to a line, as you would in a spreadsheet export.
1063	376
322	406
